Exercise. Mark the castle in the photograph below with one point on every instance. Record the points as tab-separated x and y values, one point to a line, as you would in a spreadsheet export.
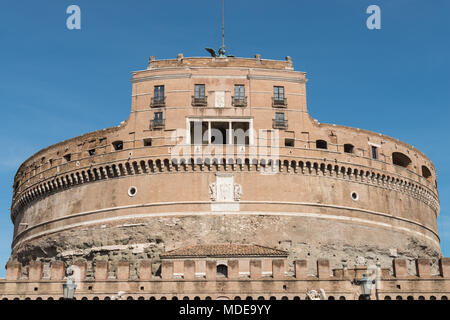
220	185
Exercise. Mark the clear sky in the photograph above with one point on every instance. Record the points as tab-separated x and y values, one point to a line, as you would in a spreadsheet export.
57	83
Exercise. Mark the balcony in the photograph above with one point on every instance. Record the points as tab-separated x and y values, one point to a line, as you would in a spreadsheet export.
239	101
199	101
279	124
279	102
157	123
158	102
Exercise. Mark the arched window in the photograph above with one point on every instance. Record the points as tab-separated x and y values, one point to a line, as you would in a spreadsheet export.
387	298
348	148
321	144
222	271
426	173
400	159
118	145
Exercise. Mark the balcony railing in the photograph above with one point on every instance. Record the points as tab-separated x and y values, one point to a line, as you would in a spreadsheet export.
239	101
199	101
279	102
158	102
157	123
279	124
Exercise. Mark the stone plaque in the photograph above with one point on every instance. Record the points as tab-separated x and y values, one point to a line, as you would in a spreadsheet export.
220	99
224	193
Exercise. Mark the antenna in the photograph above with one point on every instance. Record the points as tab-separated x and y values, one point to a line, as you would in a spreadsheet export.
222	48
223	23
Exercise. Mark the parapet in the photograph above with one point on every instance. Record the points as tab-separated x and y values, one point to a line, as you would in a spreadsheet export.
255	62
232	269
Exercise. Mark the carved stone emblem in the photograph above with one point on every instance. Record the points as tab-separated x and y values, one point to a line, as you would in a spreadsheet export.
213	191
224	193
237	192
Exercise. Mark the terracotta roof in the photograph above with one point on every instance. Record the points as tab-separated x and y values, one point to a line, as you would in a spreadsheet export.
224	250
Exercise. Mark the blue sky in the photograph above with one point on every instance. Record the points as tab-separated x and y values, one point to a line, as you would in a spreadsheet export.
57	83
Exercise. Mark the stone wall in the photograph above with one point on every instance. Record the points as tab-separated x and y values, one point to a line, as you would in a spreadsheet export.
337	283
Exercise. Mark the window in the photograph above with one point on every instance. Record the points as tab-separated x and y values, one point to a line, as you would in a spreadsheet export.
118	145
321	144
239	99
67	157
288	142
158	116
199	91
279	122
426	173
92	152
222	271
400	159
278	93
158	120
158	99
148	142
158	92
218	132
279	116
239	91
374	153
348	148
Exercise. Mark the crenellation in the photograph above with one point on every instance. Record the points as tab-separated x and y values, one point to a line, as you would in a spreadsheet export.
400	270
35	271
342	281
189	270
211	270
123	270
145	270
323	269
255	269
423	268
278	269
167	270
57	270
101	270
13	271
444	267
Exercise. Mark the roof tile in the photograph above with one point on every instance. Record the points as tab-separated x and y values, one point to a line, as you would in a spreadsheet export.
223	250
